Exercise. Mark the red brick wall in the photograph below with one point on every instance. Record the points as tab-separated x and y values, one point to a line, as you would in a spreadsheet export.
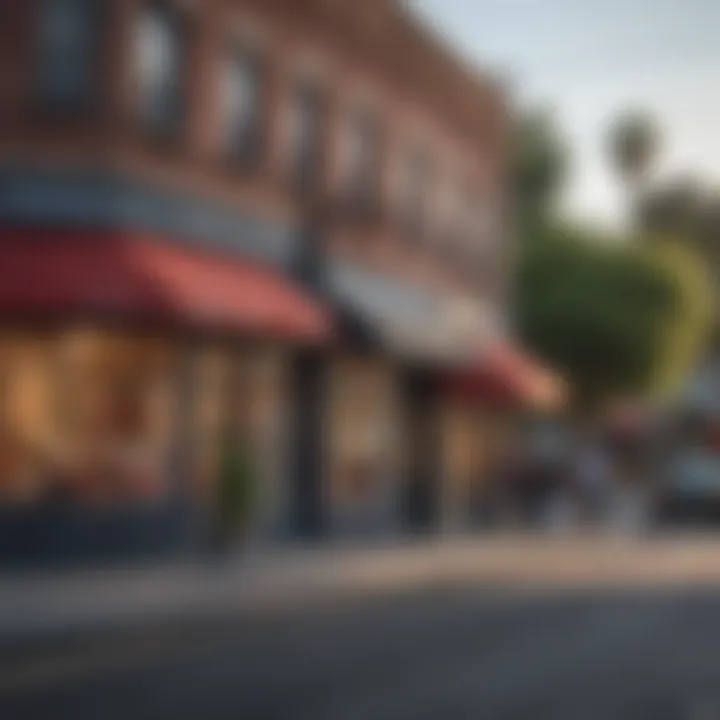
362	53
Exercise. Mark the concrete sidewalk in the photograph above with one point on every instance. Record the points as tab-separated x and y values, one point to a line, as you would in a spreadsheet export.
38	606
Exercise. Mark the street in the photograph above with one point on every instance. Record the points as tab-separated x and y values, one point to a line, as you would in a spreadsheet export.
456	651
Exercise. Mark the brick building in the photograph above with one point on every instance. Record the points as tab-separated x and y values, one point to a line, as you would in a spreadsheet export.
288	210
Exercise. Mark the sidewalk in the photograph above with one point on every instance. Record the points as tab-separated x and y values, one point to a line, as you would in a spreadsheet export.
42	604
38	606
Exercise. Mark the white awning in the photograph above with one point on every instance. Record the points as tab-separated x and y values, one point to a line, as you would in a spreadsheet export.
413	320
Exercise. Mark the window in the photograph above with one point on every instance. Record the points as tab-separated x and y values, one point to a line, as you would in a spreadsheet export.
160	67
416	192
482	226
242	111
480	231
113	400
66	49
361	157
305	136
23	419
470	247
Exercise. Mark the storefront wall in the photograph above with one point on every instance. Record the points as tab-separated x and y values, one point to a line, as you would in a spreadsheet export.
263	404
363	448
94	423
461	463
98	421
244	388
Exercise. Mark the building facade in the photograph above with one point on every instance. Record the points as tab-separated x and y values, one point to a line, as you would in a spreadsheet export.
286	212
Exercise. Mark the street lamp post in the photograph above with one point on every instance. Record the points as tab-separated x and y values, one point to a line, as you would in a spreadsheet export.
309	374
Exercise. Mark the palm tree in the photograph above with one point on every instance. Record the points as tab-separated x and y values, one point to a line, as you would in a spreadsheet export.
634	142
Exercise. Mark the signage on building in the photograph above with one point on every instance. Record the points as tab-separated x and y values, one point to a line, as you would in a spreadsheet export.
90	198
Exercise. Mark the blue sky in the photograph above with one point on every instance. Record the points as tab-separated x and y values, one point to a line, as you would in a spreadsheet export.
592	59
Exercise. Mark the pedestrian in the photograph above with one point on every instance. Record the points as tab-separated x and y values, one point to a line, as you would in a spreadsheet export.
593	477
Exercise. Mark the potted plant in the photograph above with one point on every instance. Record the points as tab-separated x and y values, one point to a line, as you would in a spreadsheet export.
236	491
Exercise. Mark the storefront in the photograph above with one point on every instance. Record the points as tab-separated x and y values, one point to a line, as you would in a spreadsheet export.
121	366
484	402
363	446
470	445
247	386
385	425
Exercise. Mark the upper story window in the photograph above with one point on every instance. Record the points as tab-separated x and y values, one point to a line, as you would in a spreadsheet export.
416	192
362	144
458	235
484	214
482	226
160	64
66	52
242	105
473	247
306	135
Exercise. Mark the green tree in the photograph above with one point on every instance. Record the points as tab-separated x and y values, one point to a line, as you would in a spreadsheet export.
682	208
673	208
540	164
707	231
617	319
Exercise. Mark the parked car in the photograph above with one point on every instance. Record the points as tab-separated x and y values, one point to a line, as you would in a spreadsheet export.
690	490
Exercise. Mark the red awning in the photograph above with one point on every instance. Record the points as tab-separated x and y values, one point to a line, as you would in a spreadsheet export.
46	272
503	376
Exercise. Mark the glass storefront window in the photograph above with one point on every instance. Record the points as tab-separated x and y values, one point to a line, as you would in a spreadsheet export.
85	419
25	440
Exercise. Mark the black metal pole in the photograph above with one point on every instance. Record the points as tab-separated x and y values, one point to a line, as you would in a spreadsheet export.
309	374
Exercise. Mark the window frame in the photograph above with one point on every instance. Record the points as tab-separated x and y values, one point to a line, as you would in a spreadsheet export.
417	180
244	145
361	181
306	156
159	117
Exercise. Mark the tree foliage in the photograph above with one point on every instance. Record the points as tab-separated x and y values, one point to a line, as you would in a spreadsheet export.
672	208
682	208
615	318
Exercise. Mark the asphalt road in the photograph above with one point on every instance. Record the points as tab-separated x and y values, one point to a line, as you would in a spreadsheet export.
443	654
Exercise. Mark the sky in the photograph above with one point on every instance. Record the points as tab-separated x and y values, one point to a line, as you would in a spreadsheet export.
591	60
